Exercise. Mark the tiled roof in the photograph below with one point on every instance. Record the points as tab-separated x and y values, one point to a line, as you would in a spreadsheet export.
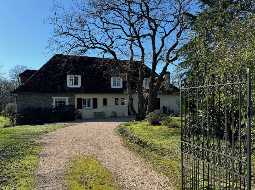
96	75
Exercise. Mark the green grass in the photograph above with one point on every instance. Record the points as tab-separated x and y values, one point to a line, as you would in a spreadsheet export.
19	155
159	145
86	173
4	122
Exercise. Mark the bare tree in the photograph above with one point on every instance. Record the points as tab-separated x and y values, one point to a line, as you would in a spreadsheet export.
14	74
148	31
6	87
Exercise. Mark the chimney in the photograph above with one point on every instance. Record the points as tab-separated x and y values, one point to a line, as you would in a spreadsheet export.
167	80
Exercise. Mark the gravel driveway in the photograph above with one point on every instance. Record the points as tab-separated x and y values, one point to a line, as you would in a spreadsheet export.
99	139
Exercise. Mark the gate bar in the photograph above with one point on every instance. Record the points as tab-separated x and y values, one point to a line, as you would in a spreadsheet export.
249	110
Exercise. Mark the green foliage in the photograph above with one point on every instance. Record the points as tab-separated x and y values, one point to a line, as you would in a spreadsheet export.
86	173
5	122
220	46
172	122
19	155
159	145
153	118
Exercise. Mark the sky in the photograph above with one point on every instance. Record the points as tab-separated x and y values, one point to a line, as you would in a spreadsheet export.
24	33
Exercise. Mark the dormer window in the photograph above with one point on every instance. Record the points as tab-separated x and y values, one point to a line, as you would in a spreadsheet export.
73	81
116	82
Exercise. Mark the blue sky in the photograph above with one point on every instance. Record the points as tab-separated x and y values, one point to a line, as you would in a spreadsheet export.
24	33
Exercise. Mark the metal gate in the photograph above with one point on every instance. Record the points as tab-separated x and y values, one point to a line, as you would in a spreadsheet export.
216	134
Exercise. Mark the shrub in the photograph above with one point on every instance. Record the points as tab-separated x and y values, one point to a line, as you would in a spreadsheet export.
170	122
114	114
10	112
167	120
5	122
10	109
46	115
153	118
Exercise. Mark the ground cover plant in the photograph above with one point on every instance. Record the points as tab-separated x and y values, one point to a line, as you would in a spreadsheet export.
87	173
159	145
4	122
19	151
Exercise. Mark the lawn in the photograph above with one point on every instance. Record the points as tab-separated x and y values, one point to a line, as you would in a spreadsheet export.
19	151
86	173
4	122
160	145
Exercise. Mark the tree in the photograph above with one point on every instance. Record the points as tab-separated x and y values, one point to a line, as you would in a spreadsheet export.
14	74
220	46
6	87
148	31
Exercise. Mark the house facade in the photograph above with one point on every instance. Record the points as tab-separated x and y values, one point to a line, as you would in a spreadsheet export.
96	87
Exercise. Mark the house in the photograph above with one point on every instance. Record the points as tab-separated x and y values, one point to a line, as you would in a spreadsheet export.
96	87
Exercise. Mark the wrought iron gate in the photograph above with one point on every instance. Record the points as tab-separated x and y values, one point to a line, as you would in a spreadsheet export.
216	135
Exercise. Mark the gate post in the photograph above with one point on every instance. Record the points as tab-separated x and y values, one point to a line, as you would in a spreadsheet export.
249	114
182	171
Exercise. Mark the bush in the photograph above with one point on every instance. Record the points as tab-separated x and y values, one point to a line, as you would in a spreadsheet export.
153	118
114	114
46	115
170	122
10	109
10	112
167	120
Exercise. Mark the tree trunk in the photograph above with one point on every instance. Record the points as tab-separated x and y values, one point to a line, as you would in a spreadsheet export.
131	109
141	100
152	98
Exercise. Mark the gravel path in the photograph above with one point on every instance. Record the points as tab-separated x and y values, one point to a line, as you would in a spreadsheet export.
99	139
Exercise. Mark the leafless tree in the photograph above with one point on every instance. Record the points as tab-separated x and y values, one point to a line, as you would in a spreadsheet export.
6	86
148	31
14	74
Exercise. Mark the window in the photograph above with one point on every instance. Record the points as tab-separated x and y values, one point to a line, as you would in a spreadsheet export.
94	103
122	101
116	101
105	102
60	102
146	83
73	81
116	82
86	103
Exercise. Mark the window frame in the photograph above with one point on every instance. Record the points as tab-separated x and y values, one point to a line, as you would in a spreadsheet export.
71	80
55	99
85	106
116	82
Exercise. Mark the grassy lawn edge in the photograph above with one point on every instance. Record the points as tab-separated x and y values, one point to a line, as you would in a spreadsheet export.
20	148
162	153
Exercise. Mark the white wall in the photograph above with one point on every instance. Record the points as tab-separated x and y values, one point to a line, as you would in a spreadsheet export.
172	102
120	110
